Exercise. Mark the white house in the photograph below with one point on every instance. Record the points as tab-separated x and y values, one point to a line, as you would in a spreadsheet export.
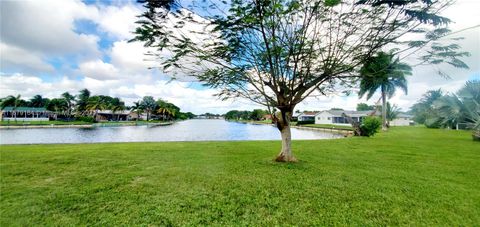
307	116
402	120
335	117
10	113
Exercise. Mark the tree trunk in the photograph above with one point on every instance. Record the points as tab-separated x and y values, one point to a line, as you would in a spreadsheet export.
283	124
384	110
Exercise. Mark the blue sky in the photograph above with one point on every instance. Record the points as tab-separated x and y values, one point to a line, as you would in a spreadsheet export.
52	46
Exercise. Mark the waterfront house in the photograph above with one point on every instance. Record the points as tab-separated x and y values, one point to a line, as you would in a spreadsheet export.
336	117
108	115
307	116
402	119
10	113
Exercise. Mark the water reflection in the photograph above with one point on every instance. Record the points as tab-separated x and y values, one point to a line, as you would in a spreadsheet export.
191	130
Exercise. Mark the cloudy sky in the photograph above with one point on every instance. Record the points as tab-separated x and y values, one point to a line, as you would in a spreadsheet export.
49	47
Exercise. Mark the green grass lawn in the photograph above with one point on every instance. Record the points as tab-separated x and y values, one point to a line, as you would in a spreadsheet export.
328	126
407	176
19	122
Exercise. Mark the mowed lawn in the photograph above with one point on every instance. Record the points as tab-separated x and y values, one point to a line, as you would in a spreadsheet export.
407	176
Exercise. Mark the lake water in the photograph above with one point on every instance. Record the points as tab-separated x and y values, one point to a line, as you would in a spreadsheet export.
190	130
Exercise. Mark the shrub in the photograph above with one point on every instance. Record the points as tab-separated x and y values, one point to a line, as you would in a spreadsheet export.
476	136
432	123
85	119
370	126
306	122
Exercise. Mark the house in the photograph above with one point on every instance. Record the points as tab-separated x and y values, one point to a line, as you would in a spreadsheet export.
336	117
402	119
267	117
108	115
307	116
10	113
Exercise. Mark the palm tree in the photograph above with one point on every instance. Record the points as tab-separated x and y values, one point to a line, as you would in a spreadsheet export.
392	112
166	111
383	72
59	106
82	100
69	100
149	105
117	106
38	101
12	101
460	108
137	108
95	104
422	110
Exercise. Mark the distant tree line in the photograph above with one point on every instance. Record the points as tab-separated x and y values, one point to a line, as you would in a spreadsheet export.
85	106
255	115
437	109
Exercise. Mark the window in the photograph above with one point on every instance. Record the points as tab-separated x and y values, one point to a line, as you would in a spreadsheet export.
329	118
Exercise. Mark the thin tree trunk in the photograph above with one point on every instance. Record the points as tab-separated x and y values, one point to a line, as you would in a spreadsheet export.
283	124
384	110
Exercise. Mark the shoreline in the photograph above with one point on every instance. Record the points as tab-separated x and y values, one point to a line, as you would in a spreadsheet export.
44	126
94	125
344	132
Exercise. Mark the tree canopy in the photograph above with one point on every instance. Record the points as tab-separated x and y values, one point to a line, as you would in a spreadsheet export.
278	52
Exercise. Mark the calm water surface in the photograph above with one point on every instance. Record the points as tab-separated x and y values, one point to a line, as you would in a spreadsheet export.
191	130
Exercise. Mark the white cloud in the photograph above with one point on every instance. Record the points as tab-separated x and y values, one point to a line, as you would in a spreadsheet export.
99	70
119	22
17	58
47	26
130	57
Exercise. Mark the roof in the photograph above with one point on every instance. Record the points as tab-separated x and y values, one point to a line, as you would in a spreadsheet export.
116	112
23	108
351	113
309	113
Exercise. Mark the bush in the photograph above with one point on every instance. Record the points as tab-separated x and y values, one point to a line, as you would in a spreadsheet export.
306	122
476	136
432	123
85	119
370	126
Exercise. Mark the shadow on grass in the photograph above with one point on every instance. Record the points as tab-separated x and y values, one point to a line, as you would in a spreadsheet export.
300	164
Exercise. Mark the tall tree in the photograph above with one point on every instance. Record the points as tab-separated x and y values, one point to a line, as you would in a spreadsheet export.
423	109
38	101
461	108
383	72
94	104
116	106
69	99
13	101
58	105
82	101
364	106
148	105
137	108
278	52
392	112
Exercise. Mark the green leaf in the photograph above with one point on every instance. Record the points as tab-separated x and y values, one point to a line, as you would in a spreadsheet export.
331	3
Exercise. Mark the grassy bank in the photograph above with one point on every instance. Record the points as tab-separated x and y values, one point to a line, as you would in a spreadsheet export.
36	123
407	176
21	123
266	122
327	126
